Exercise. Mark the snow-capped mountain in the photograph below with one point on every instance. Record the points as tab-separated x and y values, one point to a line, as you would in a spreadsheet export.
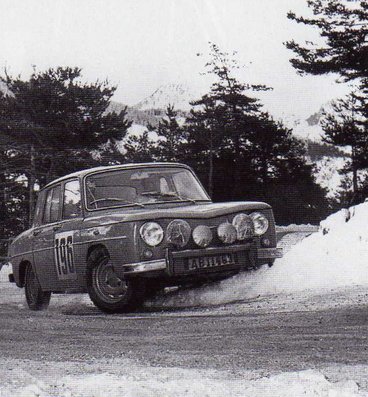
303	128
177	95
180	96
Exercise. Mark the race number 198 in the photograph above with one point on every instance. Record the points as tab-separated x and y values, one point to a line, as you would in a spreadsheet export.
64	256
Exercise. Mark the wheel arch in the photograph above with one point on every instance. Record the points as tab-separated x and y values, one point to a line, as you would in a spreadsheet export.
22	271
95	247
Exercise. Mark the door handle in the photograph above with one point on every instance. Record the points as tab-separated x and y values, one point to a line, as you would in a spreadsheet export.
56	227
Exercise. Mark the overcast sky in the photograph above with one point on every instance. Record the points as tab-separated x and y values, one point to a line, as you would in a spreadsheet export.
141	44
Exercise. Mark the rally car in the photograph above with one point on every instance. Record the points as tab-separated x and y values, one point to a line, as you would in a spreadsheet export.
123	232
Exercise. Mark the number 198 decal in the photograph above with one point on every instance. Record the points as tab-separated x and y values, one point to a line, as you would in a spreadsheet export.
64	256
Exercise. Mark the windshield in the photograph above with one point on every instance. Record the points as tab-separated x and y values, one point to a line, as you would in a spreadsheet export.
142	186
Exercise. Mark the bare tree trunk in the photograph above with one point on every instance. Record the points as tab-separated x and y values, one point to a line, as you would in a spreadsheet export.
355	180
210	171
31	184
355	171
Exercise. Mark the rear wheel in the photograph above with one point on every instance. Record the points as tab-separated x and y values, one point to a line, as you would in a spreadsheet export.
35	297
108	291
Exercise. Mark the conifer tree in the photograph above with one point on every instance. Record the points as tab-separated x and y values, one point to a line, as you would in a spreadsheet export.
217	119
172	137
343	26
342	50
52	123
244	153
344	127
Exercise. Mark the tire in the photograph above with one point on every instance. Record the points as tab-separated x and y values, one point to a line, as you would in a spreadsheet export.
35	297
106	290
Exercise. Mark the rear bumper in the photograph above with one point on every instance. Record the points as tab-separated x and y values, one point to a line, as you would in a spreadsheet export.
163	264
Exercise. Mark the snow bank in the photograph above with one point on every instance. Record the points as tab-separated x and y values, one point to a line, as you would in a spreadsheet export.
336	256
135	381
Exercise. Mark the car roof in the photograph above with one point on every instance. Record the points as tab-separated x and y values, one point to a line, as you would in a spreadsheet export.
82	173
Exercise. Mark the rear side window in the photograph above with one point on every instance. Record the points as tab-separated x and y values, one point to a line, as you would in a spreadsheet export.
72	200
52	205
37	218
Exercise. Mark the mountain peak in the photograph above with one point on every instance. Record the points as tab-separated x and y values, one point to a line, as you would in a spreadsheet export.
175	94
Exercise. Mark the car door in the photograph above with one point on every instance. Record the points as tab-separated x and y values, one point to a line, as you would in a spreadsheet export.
68	250
43	240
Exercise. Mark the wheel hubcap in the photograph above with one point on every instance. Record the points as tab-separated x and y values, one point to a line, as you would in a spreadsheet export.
109	286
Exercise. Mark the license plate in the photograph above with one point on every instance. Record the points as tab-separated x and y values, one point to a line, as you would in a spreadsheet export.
207	262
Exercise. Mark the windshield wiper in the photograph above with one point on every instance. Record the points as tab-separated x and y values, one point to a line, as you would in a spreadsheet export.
171	194
115	199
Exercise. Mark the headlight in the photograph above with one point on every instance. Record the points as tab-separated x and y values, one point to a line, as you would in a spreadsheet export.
260	223
178	232
227	233
244	226
202	236
151	233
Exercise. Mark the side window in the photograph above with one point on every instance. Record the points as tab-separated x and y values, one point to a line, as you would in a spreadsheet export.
46	211
52	204
38	209
72	200
55	204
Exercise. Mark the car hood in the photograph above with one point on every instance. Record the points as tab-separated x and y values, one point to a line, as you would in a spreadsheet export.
193	211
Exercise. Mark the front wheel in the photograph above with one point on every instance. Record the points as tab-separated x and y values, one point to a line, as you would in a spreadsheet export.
108	291
35	297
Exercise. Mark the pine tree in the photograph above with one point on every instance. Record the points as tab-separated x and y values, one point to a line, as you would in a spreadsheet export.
344	127
170	144
223	117
52	124
343	25
140	149
172	137
243	153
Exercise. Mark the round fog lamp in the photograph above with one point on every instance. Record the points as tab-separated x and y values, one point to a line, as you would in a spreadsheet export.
260	223
151	233
147	254
227	233
178	233
202	236
244	226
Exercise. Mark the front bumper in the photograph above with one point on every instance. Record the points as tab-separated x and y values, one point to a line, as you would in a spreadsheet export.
147	266
163	264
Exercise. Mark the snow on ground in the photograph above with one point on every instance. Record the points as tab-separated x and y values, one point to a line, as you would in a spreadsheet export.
327	173
125	378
